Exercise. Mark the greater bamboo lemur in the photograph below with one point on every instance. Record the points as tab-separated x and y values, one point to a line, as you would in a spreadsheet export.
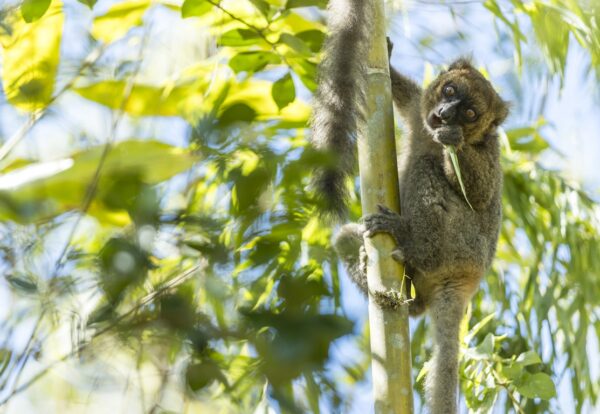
445	245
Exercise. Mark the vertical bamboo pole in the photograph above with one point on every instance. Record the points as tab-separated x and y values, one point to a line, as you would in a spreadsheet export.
390	339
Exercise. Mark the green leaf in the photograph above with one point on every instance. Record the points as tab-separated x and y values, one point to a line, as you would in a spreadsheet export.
527	139
89	3
528	358
22	283
30	56
537	385
239	37
237	113
295	43
284	91
452	152
33	10
484	350
262	6
253	61
202	374
119	19
512	372
195	8
478	326
313	38
291	4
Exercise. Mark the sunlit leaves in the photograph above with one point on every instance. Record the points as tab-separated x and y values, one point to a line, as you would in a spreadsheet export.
48	195
195	8
551	32
555	24
30	57
32	10
119	19
140	100
489	374
528	139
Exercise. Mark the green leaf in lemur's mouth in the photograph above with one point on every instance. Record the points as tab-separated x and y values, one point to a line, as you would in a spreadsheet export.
454	158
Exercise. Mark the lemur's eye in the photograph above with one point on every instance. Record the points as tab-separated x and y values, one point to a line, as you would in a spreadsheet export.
449	90
470	114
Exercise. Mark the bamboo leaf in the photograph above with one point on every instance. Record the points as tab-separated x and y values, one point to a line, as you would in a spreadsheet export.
452	152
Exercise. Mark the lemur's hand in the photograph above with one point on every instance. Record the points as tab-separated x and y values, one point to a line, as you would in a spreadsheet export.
385	221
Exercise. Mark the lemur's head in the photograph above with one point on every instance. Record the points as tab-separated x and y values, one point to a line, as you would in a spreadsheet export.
462	97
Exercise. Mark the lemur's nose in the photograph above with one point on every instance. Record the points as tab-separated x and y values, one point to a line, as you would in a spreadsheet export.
447	111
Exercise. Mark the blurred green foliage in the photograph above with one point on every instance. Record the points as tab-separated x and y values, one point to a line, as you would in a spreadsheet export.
202	266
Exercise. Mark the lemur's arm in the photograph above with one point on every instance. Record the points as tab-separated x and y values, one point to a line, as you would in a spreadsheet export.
405	91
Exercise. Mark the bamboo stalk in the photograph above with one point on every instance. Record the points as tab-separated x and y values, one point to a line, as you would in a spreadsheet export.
390	338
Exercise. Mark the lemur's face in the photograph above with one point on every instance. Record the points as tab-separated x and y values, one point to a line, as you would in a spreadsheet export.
462	97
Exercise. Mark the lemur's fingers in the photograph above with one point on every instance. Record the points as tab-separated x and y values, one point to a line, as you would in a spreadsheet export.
377	223
385	210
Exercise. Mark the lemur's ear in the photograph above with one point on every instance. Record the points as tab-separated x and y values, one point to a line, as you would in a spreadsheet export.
461	63
502	112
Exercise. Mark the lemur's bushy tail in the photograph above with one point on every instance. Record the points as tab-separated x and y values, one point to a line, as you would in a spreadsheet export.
441	384
339	101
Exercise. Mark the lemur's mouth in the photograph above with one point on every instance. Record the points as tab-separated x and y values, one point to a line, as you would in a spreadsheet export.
434	121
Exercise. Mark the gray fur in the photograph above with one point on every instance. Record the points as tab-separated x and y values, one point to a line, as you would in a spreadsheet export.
446	246
339	102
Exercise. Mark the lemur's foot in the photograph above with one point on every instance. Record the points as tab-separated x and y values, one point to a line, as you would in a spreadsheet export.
348	241
385	221
390	299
